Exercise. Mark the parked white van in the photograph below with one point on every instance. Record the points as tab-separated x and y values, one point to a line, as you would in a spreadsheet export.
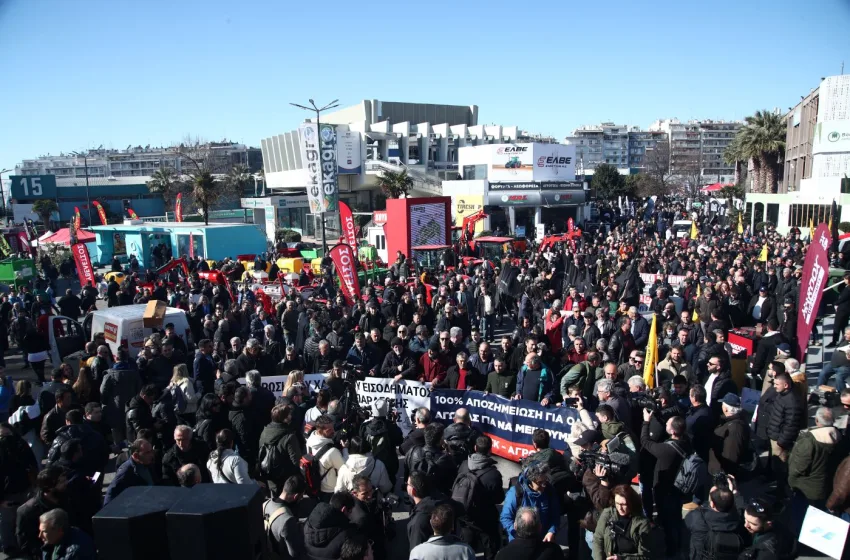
122	326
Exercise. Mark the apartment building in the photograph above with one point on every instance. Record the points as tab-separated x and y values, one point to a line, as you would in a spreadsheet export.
699	144
619	145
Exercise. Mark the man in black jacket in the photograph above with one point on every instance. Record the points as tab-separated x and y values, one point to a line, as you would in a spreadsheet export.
55	418
366	517
669	456
416	436
95	449
784	425
480	528
424	501
139	415
460	436
766	349
69	304
185	450
51	484
842	312
432	460
711	520
328	526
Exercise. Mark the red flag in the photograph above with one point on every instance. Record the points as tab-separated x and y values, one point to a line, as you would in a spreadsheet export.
815	273
77	218
571	225
346	221
191	246
100	211
84	266
132	214
343	259
178	208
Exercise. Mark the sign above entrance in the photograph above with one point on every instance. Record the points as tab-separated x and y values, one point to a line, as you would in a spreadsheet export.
549	185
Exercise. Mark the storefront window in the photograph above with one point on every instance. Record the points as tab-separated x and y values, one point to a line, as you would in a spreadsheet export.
773	214
196	244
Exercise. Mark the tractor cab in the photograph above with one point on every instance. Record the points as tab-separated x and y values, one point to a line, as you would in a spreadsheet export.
490	248
429	256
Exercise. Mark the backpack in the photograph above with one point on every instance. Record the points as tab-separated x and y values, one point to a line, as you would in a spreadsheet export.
273	545
379	441
424	462
272	461
720	545
692	471
178	399
311	469
463	489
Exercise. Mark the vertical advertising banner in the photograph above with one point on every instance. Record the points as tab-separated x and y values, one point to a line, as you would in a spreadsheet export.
77	218
343	259
346	222
84	265
132	214
178	208
348	153
330	179
5	248
308	138
100	212
815	273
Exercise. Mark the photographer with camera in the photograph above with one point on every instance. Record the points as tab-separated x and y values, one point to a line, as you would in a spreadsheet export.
715	527
622	531
366	515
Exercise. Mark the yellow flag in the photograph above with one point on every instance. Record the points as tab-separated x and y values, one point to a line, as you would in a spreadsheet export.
811	230
740	222
763	256
694	230
651	360
695	316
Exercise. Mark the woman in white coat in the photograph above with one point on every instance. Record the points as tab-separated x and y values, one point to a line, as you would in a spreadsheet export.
360	461
181	380
225	465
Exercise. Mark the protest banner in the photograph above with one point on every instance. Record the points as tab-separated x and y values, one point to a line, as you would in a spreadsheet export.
509	423
407	396
275	383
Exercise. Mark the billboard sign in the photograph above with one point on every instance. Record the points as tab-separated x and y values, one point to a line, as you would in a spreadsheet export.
466	205
524	163
27	188
831	136
428	224
330	178
348	153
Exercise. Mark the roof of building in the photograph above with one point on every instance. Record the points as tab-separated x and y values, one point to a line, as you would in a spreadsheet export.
159	226
101	181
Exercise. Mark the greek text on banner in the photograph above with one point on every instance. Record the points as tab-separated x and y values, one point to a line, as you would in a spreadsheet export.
509	423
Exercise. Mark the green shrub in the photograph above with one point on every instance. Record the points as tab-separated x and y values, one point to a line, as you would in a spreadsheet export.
287	236
761	225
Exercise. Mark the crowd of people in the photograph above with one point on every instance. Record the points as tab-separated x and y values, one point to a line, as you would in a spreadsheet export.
190	410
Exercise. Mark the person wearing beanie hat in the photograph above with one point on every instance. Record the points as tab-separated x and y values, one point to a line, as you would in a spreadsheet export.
399	362
433	365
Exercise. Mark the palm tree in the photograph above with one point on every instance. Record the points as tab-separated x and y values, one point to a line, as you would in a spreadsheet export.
762	141
165	182
44	208
734	155
395	185
206	191
239	178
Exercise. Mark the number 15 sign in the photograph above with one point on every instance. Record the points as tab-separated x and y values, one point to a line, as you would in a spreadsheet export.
32	187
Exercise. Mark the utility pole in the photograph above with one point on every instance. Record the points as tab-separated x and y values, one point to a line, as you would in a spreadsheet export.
2	195
318	110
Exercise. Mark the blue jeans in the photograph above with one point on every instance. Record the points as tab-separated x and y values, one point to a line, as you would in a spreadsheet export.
487	327
841	375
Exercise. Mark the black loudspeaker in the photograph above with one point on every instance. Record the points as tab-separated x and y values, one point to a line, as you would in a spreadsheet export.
133	525
217	521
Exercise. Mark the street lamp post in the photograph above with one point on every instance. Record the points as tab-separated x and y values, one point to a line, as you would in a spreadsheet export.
88	197
318	110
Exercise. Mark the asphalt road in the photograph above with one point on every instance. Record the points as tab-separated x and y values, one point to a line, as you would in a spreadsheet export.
398	548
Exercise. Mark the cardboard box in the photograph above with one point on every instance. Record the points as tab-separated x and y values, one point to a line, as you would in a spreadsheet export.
154	314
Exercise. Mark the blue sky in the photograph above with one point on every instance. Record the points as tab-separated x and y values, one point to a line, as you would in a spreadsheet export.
81	73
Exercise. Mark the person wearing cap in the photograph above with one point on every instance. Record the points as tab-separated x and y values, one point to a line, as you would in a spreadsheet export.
761	307
399	363
765	351
788	321
588	330
730	441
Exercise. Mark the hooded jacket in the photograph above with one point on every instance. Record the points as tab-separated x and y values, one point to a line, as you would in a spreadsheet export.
379	426
325	532
730	445
705	519
547	504
813	462
330	463
482	512
365	465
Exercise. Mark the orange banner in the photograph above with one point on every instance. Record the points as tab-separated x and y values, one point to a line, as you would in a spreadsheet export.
77	218
178	208
100	211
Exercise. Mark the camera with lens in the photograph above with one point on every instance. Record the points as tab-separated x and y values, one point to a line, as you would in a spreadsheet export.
589	459
386	505
651	401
